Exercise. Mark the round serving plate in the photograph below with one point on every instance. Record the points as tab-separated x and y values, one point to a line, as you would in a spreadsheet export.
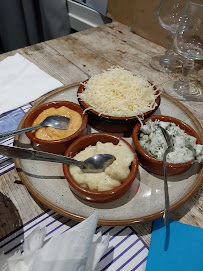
46	181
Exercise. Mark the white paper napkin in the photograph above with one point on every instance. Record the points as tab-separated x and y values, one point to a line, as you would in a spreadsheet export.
78	249
22	82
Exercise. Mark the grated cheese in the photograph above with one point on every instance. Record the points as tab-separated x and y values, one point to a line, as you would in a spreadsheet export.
117	92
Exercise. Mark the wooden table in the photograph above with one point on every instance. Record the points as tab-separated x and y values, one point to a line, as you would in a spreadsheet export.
74	58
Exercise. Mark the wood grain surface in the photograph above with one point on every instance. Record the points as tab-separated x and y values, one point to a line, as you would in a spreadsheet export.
74	58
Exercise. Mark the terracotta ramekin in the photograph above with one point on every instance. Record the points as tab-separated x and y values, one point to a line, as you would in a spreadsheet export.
55	146
149	162
99	196
110	124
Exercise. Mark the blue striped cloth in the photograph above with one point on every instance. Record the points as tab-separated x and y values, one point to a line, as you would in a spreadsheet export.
9	122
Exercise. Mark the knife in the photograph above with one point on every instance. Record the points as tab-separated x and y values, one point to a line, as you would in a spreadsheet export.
22	153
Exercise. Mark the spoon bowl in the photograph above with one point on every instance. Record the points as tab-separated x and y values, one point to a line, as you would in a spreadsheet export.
98	163
55	121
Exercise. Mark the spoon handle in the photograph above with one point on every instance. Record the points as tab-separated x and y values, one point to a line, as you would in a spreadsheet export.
16	152
169	142
20	131
167	202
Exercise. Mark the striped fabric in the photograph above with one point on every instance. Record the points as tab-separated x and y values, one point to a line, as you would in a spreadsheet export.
126	249
9	122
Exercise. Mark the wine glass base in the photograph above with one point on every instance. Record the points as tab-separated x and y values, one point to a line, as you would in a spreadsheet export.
176	90
157	64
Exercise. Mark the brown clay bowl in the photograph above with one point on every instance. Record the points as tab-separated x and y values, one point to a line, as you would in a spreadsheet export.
111	124
153	165
98	196
54	146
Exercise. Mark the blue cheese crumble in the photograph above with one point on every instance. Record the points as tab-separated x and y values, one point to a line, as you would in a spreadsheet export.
153	142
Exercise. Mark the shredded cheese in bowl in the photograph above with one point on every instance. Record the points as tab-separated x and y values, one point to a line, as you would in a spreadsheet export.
118	93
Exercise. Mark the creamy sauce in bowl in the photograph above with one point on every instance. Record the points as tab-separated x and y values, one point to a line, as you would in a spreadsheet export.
49	133
113	176
153	142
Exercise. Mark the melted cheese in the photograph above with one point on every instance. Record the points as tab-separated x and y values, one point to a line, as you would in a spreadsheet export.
117	92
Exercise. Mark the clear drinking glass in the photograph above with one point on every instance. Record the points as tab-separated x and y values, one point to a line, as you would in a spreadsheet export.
188	42
169	14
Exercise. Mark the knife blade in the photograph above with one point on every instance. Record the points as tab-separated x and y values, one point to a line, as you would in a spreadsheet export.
23	153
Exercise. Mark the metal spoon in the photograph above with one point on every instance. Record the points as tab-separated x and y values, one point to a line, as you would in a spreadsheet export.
55	121
169	142
94	164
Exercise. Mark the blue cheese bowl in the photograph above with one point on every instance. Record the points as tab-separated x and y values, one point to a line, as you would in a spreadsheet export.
153	164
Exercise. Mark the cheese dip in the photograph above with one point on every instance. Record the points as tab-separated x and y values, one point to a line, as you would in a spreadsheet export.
49	133
153	142
113	176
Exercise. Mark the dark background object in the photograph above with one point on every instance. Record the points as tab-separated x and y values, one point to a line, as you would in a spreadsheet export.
27	22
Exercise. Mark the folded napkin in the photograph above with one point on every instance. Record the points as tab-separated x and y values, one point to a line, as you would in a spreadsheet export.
175	247
126	249
22	82
77	249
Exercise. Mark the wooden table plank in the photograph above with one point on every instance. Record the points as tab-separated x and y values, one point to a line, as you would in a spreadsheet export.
122	32
52	62
16	205
86	60
119	52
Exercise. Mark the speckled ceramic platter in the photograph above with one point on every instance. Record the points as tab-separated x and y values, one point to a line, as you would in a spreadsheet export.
47	183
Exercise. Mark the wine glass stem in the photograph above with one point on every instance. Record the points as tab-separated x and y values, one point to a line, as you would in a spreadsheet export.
168	58
170	41
187	68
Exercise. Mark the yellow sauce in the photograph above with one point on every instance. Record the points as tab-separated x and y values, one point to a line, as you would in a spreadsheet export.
49	133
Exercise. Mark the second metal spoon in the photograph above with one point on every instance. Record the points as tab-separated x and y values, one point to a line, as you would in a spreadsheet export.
55	121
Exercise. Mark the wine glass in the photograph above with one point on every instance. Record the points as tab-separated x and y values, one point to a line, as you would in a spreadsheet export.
188	42
169	14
